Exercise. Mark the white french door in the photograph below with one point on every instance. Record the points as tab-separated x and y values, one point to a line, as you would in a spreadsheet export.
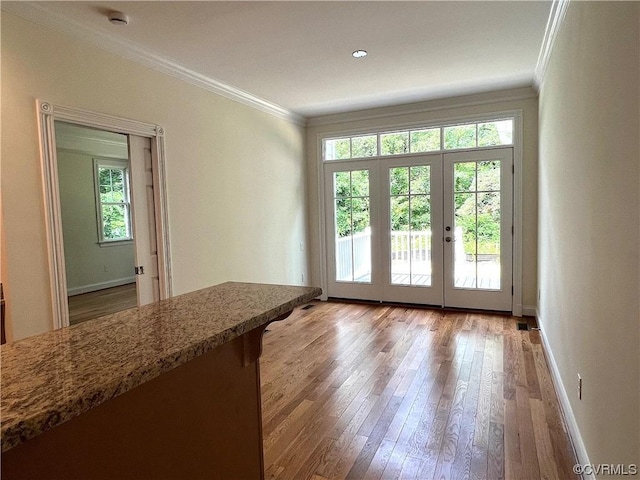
411	220
478	237
428	229
352	229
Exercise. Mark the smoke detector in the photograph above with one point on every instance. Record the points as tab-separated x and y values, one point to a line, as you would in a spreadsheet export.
118	18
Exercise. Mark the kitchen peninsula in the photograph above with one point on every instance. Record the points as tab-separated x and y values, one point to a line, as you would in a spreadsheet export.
168	390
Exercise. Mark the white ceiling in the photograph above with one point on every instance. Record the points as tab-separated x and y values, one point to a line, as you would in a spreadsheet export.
297	54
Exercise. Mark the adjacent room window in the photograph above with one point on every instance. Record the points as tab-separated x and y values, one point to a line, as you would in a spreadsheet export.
113	202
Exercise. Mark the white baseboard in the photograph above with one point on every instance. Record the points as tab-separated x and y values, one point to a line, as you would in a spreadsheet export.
94	287
565	406
529	310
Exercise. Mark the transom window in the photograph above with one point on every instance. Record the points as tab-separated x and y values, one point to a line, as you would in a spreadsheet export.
113	202
420	140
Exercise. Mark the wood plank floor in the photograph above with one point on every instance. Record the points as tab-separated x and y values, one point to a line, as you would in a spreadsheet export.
355	391
102	302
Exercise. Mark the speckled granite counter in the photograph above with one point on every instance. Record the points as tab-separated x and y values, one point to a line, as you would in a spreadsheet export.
51	378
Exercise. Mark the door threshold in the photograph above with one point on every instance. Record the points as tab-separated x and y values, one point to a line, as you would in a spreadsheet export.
421	306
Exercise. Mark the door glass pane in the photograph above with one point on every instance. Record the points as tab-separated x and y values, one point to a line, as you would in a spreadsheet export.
352	226
342	184
410	212
464	240
420	224
489	176
420	180
360	183
465	177
399	181
488	251
477	225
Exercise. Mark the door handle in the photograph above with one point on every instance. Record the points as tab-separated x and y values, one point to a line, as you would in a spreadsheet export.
140	270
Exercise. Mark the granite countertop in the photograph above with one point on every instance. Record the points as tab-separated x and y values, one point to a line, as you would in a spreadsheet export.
50	378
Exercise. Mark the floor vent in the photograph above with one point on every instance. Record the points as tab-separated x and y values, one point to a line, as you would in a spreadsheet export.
307	307
523	326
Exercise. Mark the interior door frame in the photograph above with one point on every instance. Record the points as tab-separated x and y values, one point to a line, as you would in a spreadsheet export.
516	114
47	114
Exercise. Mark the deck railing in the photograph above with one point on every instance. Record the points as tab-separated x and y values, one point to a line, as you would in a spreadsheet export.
353	252
410	254
353	256
415	246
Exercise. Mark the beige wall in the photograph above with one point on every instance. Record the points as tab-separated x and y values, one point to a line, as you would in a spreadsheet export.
589	230
235	176
434	112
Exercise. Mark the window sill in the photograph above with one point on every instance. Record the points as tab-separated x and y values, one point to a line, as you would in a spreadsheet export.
116	243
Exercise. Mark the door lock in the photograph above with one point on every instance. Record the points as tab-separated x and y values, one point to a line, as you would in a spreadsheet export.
447	239
139	270
448	229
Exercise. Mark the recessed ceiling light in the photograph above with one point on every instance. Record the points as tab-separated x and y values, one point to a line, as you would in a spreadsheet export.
359	54
118	18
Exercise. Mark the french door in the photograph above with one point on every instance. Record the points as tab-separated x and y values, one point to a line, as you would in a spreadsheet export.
429	229
353	246
478	229
411	267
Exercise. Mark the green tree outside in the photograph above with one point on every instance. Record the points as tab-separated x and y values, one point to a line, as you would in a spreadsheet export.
477	205
351	197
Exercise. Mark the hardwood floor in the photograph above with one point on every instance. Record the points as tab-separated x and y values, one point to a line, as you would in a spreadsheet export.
102	302
355	391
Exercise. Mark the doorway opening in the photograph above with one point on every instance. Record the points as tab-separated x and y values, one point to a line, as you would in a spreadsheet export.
105	199
100	197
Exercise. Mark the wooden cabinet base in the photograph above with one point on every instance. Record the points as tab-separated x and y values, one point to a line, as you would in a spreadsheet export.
200	420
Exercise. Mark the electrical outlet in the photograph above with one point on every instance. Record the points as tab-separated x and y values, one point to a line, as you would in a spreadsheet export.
579	387
106	268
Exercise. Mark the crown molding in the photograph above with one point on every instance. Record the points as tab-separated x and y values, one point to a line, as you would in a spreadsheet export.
40	14
556	18
91	145
515	94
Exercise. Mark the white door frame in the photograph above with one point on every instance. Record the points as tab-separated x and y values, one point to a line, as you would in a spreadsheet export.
517	190
48	113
